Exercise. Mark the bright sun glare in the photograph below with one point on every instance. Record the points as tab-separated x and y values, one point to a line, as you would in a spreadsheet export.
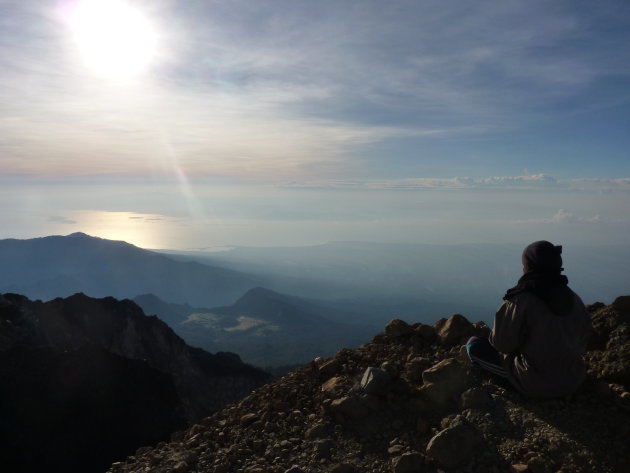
115	39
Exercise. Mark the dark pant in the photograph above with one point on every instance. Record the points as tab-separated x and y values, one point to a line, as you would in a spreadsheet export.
482	353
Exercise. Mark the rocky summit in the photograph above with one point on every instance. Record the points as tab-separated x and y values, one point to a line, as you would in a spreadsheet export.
410	402
85	382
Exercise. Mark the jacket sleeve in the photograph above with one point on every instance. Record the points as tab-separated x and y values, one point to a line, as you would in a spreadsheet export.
508	330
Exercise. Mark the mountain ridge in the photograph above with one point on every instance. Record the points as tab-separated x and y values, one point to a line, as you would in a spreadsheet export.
49	267
80	370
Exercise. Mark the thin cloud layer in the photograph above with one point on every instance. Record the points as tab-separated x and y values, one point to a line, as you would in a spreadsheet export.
277	88
522	183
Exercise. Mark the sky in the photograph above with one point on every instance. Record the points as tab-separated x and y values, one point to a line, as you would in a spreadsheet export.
204	124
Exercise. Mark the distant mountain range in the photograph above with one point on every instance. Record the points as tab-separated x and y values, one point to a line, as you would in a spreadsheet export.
264	327
248	300
86	381
59	266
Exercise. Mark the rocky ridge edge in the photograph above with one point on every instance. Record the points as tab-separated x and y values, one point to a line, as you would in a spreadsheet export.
410	402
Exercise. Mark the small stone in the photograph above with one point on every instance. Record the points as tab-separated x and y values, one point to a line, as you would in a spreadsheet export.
519	468
248	419
295	469
343	468
395	450
411	462
317	431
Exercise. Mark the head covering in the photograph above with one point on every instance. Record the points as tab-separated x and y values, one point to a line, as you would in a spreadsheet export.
542	257
542	262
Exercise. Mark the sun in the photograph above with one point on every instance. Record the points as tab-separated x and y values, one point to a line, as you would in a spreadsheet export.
115	39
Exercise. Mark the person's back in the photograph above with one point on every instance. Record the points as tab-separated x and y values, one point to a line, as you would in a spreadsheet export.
544	349
540	331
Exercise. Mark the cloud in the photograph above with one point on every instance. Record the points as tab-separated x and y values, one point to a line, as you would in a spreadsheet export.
563	216
535	181
530	182
64	220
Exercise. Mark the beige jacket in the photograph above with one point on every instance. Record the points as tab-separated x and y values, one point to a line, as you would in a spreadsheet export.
543	351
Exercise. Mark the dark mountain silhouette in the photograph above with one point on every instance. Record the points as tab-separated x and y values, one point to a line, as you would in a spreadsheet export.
86	381
59	266
266	328
410	402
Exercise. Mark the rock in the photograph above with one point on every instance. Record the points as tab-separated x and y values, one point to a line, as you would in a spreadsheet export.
376	382
411	462
317	431
445	380
248	419
333	384
295	469
455	445
519	468
398	328
180	467
475	398
323	448
329	368
347	408
369	401
343	468
539	465
390	369
426	332
395	450
454	330
415	367
622	305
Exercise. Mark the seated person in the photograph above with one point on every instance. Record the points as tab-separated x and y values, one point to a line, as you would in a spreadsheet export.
540	331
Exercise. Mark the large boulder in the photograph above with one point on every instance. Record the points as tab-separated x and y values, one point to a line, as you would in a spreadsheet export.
411	462
455	445
376	382
445	381
454	330
398	328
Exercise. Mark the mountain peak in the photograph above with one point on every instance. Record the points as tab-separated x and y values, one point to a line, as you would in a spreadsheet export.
79	235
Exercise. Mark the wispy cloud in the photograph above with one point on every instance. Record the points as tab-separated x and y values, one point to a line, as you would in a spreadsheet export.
563	217
281	89
64	220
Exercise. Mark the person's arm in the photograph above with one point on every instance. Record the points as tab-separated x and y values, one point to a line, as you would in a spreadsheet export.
507	332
